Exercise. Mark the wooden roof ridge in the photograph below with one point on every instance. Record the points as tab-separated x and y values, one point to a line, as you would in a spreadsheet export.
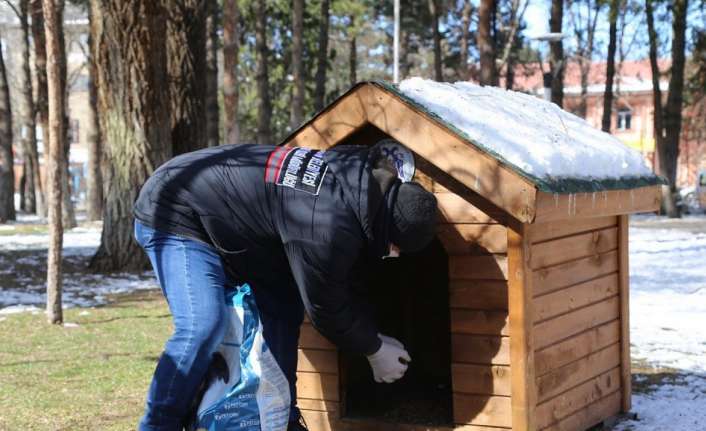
524	196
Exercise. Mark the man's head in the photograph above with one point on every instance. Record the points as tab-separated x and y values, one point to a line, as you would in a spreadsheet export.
413	218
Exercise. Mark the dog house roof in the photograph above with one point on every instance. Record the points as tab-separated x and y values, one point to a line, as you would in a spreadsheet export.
525	155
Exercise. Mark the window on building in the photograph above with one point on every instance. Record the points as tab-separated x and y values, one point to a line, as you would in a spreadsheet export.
624	118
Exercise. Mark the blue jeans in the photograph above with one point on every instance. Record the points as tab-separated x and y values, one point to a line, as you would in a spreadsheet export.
194	282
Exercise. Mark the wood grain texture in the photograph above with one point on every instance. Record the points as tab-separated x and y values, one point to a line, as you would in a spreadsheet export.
481	379
561	379
576	347
482	410
521	313
455	209
550	206
310	338
565	249
317	386
480	322
567	325
320	361
592	415
318	405
623	259
490	267
478	294
480	349
574	297
473	238
546	280
556	229
577	398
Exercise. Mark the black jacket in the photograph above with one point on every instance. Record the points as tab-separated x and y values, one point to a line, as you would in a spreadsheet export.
283	219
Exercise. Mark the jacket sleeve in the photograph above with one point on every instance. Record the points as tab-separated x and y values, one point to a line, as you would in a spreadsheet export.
323	275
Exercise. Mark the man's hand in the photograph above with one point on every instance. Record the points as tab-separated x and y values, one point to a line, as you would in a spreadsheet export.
389	363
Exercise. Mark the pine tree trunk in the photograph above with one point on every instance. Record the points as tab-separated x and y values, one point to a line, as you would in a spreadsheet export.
486	46
264	106
34	196
322	58
556	59
212	109
231	48
434	11
353	55
297	113
669	155
55	88
133	109
465	39
186	66
7	172
40	72
94	179
610	67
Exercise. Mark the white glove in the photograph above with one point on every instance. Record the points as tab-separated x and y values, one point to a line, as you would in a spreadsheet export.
387	363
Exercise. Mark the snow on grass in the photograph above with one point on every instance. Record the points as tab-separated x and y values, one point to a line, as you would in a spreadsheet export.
536	136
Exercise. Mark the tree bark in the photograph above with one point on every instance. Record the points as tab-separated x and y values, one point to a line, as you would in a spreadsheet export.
40	72
231	48
436	35
556	60
486	46
264	111
34	194
186	67
610	67
669	153
67	208
465	39
56	106
353	54
133	108
297	112
212	109
322	58
94	179
7	172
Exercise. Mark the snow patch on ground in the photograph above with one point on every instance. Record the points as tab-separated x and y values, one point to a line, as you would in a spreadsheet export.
562	144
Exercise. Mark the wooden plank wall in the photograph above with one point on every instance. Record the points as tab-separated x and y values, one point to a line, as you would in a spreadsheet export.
476	242
577	326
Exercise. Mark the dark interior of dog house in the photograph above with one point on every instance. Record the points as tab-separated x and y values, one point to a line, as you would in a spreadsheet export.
410	300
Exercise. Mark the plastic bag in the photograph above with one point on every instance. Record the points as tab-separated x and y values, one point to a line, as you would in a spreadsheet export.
245	390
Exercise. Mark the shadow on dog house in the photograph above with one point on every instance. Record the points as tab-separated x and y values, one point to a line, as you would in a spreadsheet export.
517	316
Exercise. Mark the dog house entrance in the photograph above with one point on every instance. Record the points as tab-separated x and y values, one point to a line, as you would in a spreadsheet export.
410	297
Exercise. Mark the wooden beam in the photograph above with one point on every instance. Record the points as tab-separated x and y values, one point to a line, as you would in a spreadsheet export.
481	379
464	238
478	294
524	397
551	206
623	258
432	140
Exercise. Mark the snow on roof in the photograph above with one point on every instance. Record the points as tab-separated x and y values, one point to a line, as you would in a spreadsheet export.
532	135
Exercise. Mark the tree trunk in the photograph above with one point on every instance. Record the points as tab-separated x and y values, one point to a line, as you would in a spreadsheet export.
7	172
322	58
67	208
556	59
434	11
669	154
465	39
186	68
34	195
231	48
212	110
353	54
94	179
264	106
297	113
133	108
610	67
486	46
40	71
55	88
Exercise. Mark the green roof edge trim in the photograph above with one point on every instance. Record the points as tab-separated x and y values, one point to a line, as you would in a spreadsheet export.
547	185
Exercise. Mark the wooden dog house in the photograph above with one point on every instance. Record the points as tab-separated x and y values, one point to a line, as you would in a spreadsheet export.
537	274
